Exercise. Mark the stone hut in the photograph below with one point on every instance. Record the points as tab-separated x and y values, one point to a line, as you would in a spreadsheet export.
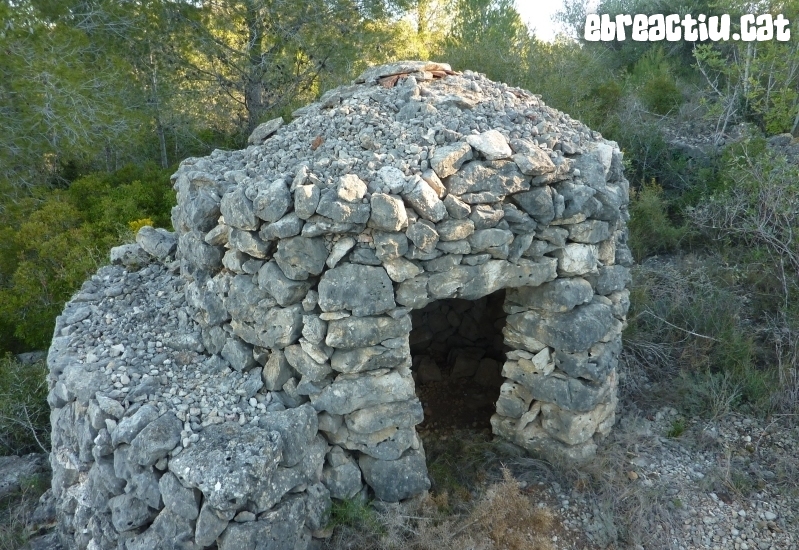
268	360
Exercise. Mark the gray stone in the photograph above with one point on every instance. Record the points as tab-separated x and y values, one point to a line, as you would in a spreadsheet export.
364	255
514	399
314	329
392	177
130	426
400	269
364	290
573	331
435	182
178	499
577	259
128	512
238	210
454	230
285	291
158	243
351	188
276	371
341	475
129	255
485	239
485	217
289	225
200	255
249	243
454	247
280	529
297	427
491	144
168	531
446	160
389	246
347	395
356	332
373	74
530	159
229	463
305	364
422	235
306	199
238	354
272	199
340	249
456	208
156	439
425	201
111	407
560	295
341	211
263	131
317	506
210	524
612	278
141	481
300	257
538	203
395	480
369	358
589	232
388	213
497	177
403	414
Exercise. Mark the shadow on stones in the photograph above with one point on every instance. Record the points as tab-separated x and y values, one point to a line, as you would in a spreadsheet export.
458	351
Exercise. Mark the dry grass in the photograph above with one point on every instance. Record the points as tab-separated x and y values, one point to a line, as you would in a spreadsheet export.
503	518
16	512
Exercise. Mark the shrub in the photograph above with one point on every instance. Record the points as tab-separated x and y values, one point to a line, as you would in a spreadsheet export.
52	240
651	229
24	413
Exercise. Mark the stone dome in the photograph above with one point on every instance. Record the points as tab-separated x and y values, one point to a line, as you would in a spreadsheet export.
305	261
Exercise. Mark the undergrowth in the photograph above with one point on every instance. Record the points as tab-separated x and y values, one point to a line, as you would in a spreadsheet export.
24	413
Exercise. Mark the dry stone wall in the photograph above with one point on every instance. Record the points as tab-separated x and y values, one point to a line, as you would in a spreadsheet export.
226	396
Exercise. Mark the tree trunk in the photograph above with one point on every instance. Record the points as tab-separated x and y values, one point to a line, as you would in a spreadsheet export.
253	86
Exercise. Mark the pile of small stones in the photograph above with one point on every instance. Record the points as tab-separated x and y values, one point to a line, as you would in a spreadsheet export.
262	365
712	481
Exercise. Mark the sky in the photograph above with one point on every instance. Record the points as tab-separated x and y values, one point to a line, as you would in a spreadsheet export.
538	14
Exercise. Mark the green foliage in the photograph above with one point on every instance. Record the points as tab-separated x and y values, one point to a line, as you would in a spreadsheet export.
689	321
24	413
54	240
355	512
653	76
677	428
651	229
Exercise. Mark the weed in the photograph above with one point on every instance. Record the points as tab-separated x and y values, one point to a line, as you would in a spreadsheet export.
24	413
677	428
651	229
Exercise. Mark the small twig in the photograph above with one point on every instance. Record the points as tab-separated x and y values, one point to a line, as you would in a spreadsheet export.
692	333
33	430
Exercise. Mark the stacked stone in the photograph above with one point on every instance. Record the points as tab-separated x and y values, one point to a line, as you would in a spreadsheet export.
302	259
139	458
378	201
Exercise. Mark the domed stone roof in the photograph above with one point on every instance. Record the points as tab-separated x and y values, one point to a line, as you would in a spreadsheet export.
307	259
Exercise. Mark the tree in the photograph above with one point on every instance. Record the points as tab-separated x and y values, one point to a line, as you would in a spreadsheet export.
61	99
263	55
488	36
